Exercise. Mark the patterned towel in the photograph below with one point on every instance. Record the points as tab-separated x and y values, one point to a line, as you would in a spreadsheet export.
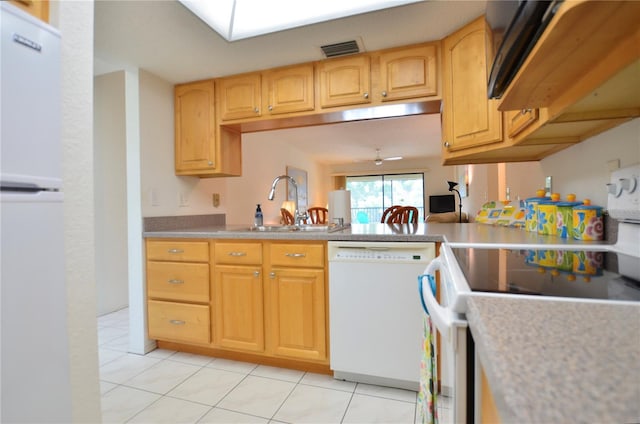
427	397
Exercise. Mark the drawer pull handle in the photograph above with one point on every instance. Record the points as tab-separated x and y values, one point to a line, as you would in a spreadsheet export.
295	255
175	251
237	254
173	281
177	322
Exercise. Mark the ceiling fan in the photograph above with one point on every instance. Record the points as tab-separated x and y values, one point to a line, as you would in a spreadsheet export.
378	160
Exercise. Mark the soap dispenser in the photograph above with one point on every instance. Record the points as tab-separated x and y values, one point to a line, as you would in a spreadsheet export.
258	217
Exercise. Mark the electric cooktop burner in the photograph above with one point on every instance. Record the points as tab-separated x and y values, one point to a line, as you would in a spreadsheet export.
560	273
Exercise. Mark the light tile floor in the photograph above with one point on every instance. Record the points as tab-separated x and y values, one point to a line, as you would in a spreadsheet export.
174	387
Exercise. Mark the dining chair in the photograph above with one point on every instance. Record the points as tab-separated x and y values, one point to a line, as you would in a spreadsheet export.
387	212
318	214
404	215
287	217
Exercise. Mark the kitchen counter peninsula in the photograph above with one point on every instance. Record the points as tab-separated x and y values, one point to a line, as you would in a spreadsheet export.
559	361
459	235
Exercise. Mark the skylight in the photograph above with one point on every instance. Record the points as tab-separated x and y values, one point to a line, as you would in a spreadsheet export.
238	19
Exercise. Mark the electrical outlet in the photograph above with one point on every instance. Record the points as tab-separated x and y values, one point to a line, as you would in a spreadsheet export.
215	197
183	200
613	164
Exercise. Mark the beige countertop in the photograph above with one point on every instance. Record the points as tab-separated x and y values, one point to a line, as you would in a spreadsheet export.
456	234
559	361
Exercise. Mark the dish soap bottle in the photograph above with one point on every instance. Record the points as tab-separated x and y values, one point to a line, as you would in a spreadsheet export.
258	216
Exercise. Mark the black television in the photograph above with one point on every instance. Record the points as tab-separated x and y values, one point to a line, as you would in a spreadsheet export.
442	203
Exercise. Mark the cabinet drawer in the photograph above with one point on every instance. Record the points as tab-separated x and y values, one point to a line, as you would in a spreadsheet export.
179	322
178	281
303	255
181	251
238	253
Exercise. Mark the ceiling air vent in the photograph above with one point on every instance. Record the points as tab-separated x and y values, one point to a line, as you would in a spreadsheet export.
341	49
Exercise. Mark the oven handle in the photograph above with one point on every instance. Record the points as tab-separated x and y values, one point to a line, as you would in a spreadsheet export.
442	317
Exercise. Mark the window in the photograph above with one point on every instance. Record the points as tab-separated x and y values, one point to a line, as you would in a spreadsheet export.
372	194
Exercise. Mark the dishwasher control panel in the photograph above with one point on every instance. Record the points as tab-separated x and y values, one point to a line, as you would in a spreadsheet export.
376	254
381	252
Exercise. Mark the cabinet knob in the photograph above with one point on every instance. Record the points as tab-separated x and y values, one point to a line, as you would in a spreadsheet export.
177	322
175	251
525	111
256	110
175	281
256	273
366	95
270	108
446	144
210	163
384	94
272	275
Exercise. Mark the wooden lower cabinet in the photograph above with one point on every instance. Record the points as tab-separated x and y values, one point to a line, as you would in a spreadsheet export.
262	301
238	307
296	307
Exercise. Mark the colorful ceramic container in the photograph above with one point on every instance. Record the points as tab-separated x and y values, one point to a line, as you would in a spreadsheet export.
564	216
531	210
547	211
588	222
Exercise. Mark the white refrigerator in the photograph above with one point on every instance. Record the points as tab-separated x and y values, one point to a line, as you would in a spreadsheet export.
34	349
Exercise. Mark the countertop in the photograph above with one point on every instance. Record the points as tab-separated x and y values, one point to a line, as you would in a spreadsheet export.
559	361
456	234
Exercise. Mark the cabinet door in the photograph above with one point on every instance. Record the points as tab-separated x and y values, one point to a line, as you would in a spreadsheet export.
289	89
296	308
195	146
240	96
409	73
345	81
238	312
519	120
37	8
468	118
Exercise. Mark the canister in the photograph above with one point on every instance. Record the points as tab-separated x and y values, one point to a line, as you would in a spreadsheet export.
531	208
547	211
564	216
588	223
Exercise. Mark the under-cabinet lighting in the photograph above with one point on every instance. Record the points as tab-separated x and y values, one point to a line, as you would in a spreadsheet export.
238	19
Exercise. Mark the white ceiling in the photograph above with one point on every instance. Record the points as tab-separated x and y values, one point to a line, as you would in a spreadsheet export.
166	39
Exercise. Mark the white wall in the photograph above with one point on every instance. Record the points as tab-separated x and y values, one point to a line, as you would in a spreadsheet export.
75	21
582	169
110	192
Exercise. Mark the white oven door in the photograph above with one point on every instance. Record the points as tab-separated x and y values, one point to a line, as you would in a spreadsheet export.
452	328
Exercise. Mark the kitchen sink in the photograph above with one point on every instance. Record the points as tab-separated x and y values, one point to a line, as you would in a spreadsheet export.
291	228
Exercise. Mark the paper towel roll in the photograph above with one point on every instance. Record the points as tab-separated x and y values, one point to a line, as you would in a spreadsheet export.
340	206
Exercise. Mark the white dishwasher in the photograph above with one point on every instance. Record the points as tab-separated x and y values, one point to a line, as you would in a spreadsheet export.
374	312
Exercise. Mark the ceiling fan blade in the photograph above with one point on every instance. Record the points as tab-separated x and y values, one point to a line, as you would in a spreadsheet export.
393	158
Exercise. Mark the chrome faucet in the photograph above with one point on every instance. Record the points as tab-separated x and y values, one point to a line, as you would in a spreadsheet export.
299	218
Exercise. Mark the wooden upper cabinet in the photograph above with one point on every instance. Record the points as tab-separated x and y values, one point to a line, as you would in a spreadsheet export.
195	128
344	81
289	89
409	73
240	96
468	117
37	8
